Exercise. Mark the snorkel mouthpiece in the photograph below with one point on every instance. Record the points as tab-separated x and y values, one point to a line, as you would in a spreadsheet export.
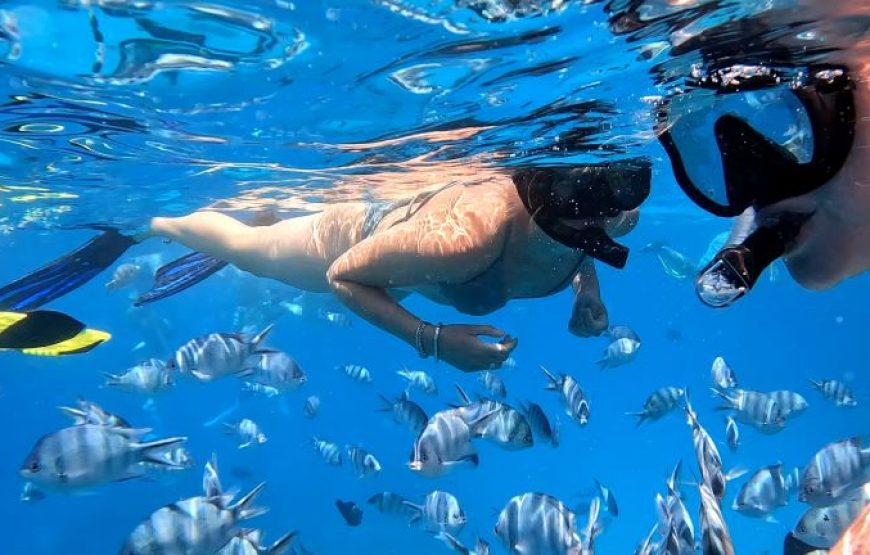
734	271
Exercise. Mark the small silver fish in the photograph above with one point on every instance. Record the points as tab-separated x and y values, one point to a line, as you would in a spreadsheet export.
216	355
575	401
123	276
419	379
338	319
757	409
275	369
660	403
715	538
837	392
406	412
619	352
444	443
615	333
362	462
247	431
722	375
149	377
312	406
732	434
357	373
266	391
86	456
765	491
174	459
496	421
675	264
196	525
329	451
392	504
493	384
835	470
441	511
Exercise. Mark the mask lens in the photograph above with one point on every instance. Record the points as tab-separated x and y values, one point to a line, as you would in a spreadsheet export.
776	113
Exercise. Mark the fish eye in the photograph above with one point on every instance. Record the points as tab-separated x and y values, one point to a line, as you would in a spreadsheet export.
802	529
33	466
825	517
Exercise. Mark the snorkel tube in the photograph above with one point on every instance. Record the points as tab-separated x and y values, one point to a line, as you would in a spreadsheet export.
734	271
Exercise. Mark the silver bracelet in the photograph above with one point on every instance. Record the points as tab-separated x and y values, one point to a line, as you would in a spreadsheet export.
418	338
437	335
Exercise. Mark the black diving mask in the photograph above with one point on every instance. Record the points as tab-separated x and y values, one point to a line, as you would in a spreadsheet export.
749	136
554	195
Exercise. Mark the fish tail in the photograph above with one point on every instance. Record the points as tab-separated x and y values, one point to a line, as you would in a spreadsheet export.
463	397
229	429
282	544
243	509
387	404
147	450
641	417
603	363
814	383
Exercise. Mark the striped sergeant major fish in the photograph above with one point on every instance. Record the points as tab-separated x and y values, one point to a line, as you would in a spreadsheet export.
81	457
835	470
356	372
495	421
759	410
87	412
836	391
443	444
540	524
722	375
217	354
707	454
327	450
197	525
660	403
441	511
362	462
575	401
392	504
715	538
406	412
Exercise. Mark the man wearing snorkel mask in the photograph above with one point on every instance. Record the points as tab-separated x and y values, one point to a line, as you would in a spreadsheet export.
784	149
474	246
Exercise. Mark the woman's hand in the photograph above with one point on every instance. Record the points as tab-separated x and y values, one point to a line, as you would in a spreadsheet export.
459	345
589	317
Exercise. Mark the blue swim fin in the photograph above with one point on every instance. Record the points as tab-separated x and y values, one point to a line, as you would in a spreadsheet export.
180	274
65	274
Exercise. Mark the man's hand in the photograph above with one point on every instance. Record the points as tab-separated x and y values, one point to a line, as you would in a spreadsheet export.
589	315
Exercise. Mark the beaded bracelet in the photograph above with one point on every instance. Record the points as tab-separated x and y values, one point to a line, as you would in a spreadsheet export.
418	338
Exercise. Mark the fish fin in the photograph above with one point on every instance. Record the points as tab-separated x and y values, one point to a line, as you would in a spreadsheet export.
282	544
464	399
243	509
770	519
641	417
261	337
735	473
603	363
179	275
245	445
473	459
147	448
229	428
111	379
65	274
245	373
201	376
387	404
211	483
554	381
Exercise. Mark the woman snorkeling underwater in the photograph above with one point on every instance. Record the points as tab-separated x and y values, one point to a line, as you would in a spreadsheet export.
474	246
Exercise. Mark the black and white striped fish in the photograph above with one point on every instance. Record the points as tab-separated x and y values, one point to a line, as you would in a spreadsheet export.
540	423
538	523
246	431
835	470
441	511
274	369
250	542
82	457
836	391
392	504
443	444
674	521
660	403
732	433
575	401
707	454
196	525
757	409
356	372
311	407
722	375
715	538
217	354
766	490
328	451
406	412
495	421
419	379
362	462
619	352
149	377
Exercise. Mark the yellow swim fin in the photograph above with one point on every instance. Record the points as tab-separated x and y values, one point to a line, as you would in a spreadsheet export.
81	343
47	333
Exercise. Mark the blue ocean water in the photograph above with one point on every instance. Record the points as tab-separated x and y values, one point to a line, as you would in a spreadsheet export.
288	105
